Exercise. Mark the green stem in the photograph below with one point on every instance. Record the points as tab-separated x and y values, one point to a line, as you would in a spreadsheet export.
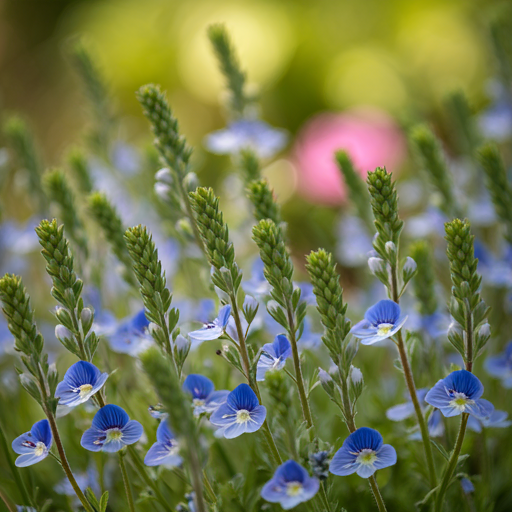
409	379
348	413
323	497
452	463
126	482
14	470
8	503
141	470
306	411
65	464
209	489
254	385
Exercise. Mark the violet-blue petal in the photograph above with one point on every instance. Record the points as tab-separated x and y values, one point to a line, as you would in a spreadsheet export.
199	386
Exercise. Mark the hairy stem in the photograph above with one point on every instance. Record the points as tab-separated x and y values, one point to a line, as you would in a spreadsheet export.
452	463
409	379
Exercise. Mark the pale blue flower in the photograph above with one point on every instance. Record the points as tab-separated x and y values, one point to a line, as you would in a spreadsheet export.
215	329
498	419
459	392
273	356
131	335
33	446
242	413
204	397
500	366
111	430
381	321
290	485
253	134
81	381
165	450
363	452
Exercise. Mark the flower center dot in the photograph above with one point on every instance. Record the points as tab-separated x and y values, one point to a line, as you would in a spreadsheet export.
40	448
293	488
85	389
198	402
384	329
243	416
366	457
114	434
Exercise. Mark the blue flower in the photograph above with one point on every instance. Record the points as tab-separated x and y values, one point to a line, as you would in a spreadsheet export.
215	329
363	452
247	134
500	366
131	336
111	430
290	485
467	486
165	450
381	321
274	356
308	339
88	478
354	242
498	419
204	397
240	414
81	381
257	286
460	392
33	446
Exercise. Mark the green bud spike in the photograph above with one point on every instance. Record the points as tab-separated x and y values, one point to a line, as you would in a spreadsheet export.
105	214
466	307
357	188
462	121
167	384
230	67
22	142
498	185
250	165
384	201
424	280
263	201
431	158
59	192
171	145
80	169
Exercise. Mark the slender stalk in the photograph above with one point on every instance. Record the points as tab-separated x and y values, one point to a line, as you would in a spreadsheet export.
8	503
14	470
141	470
65	464
197	480
323	497
254	385
209	488
469	337
126	483
409	379
351	424
306	411
452	463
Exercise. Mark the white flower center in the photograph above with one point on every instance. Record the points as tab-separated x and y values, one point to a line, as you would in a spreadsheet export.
460	401
243	416
85	389
198	402
366	457
113	434
383	329
293	488
40	448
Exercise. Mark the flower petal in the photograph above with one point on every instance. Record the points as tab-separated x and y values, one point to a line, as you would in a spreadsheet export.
400	412
481	408
386	456
132	432
242	397
110	416
198	386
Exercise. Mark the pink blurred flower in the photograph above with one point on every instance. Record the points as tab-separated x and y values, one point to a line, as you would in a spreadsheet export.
370	137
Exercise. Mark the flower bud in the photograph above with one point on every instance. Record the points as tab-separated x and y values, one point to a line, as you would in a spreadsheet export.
410	265
390	247
485	330
165	176
162	190
376	265
356	375
62	333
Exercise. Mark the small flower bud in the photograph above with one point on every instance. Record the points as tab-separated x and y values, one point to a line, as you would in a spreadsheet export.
62	333
320	464
87	317
165	176
376	265
190	181
356	375
162	190
410	265
485	330
390	247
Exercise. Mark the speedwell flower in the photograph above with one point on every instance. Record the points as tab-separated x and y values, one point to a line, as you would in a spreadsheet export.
363	452
274	356
215	329
460	392
498	419
381	321
81	381
247	134
204	397
500	366
111	430
165	450
33	446
131	336
240	414
290	485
